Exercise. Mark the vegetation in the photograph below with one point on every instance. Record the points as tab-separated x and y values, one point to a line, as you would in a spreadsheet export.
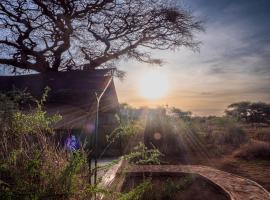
34	166
185	115
233	135
182	186
249	112
172	187
263	135
255	151
31	165
138	192
141	155
59	35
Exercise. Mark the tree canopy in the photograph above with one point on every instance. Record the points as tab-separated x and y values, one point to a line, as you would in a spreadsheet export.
250	112
61	35
181	114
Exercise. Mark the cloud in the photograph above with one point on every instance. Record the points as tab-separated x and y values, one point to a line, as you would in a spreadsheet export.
239	35
234	59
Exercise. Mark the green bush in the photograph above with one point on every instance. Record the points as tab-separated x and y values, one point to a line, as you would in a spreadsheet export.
144	156
32	166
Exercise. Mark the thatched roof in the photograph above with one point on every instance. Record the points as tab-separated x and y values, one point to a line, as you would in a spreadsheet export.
72	93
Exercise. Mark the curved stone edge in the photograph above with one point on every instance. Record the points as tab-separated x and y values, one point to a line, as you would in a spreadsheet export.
109	177
111	174
197	169
213	182
267	194
235	175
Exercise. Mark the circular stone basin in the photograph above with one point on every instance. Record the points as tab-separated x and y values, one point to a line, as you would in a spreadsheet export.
174	186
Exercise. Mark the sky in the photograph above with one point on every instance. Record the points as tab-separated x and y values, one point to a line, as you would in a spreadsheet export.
233	63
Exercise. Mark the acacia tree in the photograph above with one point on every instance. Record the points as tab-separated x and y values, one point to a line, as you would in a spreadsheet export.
186	115
61	35
249	112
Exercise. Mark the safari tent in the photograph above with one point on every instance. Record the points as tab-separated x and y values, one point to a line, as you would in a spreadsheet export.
73	96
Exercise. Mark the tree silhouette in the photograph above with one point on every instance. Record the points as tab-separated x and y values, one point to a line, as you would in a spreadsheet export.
181	114
257	112
61	35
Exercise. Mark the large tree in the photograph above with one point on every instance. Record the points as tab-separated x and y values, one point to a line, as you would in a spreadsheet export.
250	112
60	35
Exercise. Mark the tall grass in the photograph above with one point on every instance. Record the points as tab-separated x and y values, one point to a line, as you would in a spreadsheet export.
263	135
32	166
255	151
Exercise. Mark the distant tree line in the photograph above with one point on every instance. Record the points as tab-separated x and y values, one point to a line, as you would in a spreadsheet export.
247	112
129	112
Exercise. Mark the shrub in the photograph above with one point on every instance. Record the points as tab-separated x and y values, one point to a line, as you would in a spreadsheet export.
233	135
257	150
144	156
32	166
263	135
221	121
172	136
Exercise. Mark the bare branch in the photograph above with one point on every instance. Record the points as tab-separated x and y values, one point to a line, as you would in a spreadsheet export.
45	35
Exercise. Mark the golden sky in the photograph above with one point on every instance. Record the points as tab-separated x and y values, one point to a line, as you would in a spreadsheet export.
233	63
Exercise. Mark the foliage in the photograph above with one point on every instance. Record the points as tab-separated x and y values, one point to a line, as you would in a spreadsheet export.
221	122
185	115
99	191
129	113
137	192
175	135
250	112
232	135
125	130
46	35
10	102
172	187
32	166
68	177
32	122
144	156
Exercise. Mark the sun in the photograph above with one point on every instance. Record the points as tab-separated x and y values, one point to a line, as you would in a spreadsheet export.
153	85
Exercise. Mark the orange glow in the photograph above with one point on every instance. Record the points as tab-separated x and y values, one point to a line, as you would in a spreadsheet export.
153	85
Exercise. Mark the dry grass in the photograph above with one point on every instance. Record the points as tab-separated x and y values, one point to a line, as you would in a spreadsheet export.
232	135
263	135
32	165
255	151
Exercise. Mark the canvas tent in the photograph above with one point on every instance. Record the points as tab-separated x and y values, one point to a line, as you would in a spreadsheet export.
72	95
